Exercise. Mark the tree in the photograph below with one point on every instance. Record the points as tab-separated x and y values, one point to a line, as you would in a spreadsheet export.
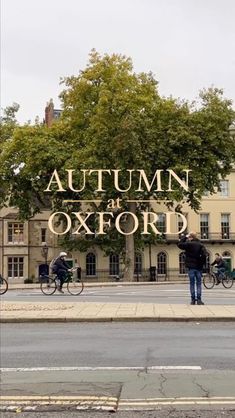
115	118
8	123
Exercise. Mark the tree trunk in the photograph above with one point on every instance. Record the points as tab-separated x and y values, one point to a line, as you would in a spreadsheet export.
130	246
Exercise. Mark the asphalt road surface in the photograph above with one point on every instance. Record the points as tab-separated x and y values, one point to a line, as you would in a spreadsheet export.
209	345
147	294
176	369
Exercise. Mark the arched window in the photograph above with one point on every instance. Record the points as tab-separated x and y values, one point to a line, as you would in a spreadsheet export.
161	263
113	264
182	268
226	254
138	263
90	264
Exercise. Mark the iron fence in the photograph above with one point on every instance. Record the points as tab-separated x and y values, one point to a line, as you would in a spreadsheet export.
142	276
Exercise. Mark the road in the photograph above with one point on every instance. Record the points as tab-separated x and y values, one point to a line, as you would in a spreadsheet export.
114	344
170	293
132	366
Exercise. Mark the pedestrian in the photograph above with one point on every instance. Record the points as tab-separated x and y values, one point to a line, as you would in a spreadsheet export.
195	258
220	264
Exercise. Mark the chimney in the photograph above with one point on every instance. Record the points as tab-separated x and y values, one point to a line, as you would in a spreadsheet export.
49	113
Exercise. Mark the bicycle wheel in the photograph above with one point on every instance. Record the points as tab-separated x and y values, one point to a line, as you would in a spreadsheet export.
3	286
227	281
48	287
75	287
208	281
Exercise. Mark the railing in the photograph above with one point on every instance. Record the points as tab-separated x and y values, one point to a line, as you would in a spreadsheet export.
222	237
209	237
141	276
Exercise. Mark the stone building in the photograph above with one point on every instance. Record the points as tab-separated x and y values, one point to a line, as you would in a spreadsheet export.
23	252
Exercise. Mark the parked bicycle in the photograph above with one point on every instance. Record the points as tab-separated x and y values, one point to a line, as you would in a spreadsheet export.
3	285
211	278
49	284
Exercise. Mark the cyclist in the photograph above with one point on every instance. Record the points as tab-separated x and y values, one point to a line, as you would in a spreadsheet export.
61	268
221	267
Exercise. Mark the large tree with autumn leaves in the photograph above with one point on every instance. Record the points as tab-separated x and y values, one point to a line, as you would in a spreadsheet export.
115	118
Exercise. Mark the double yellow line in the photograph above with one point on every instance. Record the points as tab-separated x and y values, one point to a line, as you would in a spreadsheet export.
108	403
154	402
80	402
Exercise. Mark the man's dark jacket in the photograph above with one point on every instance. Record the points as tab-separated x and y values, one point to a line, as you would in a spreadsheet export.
61	265
220	264
195	253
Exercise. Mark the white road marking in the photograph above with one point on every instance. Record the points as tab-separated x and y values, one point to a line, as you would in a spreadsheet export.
174	368
104	368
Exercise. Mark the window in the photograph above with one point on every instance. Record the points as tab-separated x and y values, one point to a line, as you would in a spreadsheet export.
90	264
225	225
204	225
224	186
43	235
161	223
161	263
114	264
56	113
182	268
15	267
138	264
15	232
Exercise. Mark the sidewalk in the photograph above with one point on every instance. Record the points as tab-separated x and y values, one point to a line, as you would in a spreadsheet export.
107	312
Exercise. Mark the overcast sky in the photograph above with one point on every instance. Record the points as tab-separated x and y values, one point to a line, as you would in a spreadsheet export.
187	44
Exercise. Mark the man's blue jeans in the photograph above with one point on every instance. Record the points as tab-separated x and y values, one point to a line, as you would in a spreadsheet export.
195	278
220	273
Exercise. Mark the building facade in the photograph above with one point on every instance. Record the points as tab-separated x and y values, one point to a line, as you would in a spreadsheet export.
23	252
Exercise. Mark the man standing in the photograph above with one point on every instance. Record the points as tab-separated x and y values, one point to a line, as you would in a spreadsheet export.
195	258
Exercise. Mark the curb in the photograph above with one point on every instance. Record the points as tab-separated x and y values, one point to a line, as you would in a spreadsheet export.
118	319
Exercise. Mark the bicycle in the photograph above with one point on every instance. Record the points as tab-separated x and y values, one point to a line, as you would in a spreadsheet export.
49	284
210	279
3	285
